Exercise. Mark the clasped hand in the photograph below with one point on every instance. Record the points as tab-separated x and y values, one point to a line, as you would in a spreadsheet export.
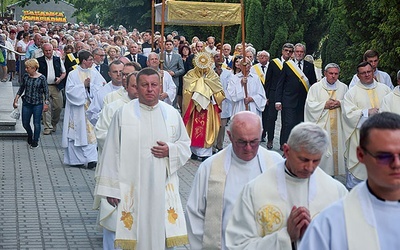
161	150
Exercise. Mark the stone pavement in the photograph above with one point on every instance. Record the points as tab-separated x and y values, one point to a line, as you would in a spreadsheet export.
47	205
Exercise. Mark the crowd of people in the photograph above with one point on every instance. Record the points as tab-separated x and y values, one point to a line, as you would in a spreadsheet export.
139	105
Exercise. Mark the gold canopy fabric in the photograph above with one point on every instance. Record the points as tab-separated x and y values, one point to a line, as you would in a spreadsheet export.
199	13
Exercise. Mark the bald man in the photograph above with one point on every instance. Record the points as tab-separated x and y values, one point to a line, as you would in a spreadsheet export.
220	179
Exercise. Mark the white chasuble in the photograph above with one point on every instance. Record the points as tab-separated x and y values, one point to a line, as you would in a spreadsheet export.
332	162
391	102
356	103
150	214
260	214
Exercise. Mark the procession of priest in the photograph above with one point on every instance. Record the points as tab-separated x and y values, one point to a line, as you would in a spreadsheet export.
136	112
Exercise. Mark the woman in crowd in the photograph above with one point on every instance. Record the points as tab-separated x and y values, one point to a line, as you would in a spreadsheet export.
113	53
34	101
22	45
184	51
236	65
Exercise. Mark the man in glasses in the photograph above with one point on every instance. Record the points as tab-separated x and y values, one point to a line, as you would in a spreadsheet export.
271	79
372	57
100	63
274	210
360	102
369	216
220	179
291	90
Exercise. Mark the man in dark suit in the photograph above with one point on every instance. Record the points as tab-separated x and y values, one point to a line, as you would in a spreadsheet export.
53	69
271	80
292	88
173	64
134	55
99	64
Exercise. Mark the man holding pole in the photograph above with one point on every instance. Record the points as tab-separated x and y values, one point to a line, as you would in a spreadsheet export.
246	91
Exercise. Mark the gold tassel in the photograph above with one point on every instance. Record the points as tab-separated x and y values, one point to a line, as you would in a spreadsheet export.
125	244
177	241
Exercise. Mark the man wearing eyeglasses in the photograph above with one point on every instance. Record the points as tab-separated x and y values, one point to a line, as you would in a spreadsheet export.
291	90
360	102
271	79
369	216
274	210
372	57
100	64
220	179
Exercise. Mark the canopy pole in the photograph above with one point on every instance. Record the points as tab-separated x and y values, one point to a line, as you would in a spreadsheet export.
152	24
244	60
221	58
162	43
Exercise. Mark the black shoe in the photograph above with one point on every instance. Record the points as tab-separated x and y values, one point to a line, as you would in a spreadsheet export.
34	144
194	157
91	165
30	140
269	145
77	166
203	158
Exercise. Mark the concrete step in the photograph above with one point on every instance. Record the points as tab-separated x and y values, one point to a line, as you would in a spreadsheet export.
9	127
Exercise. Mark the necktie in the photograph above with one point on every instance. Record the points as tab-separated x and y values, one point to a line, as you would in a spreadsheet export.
263	68
300	65
134	58
168	58
227	60
98	68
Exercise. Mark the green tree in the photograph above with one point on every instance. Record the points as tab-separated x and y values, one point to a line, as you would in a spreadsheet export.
374	26
334	44
127	13
276	29
254	23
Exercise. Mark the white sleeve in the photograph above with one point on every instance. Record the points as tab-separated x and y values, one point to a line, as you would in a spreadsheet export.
196	207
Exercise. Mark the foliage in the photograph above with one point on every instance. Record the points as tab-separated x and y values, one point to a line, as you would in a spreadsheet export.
345	29
24	3
130	14
254	23
375	26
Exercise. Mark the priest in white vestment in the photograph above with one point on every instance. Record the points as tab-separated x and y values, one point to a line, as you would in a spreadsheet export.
360	102
369	216
129	67
246	91
274	210
323	107
115	72
168	93
107	214
372	57
78	138
391	102
220	179
146	145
